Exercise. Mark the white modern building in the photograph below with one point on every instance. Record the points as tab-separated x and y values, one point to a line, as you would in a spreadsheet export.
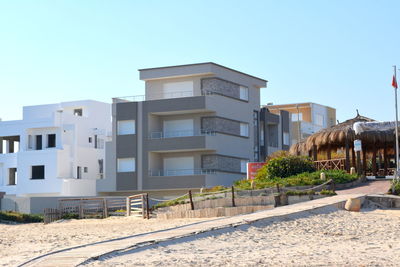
55	150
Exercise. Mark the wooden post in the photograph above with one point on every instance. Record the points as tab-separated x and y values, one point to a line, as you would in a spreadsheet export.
385	160
143	207
374	161
329	153
277	188
233	197
359	168
364	152
315	153
333	185
105	208
347	164
191	200
353	158
147	206
80	209
128	206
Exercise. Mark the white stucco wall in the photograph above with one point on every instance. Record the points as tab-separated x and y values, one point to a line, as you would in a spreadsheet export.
72	149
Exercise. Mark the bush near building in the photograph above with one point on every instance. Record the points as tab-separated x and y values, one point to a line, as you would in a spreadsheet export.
302	179
13	216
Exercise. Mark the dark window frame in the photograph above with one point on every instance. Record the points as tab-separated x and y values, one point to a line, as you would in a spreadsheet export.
38	172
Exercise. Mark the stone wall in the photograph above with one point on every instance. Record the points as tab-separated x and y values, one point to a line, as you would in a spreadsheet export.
220	86
220	125
220	163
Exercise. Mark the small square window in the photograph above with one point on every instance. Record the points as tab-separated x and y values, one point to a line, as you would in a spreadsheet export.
78	112
126	165
38	172
51	140
90	139
85	169
126	127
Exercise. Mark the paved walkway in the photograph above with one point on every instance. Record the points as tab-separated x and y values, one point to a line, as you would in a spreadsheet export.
78	255
370	187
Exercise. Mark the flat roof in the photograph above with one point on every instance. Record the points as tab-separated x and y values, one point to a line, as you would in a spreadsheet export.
294	105
204	63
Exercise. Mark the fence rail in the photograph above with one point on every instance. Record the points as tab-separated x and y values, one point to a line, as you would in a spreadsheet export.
330	164
99	207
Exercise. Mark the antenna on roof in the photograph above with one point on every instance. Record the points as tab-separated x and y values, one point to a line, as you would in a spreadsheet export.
358	114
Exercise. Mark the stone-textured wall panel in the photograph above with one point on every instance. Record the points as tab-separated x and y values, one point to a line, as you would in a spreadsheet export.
220	125
221	163
221	87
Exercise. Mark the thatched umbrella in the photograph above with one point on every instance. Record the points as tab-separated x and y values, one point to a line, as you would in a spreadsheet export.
375	136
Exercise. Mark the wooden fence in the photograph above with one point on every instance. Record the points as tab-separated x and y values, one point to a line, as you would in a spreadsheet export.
330	164
138	205
99	207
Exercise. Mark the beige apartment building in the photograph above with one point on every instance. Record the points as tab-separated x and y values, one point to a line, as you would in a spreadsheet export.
306	118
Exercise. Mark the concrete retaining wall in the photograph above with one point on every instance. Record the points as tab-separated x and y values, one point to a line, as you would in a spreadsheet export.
223	207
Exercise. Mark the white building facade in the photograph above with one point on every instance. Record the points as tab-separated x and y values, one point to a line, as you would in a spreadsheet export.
55	150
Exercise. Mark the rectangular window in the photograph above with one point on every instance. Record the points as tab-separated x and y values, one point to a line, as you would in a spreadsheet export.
78	112
262	141
101	166
85	169
78	172
90	140
178	89
30	142
297	116
244	129
126	165
38	172
243	166
38	142
286	138
51	140
12	176
244	93
319	119
126	127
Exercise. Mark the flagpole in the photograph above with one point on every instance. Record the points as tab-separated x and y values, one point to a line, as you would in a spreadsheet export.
396	125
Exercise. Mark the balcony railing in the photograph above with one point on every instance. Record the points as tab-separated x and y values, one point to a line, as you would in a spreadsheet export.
184	133
181	172
159	96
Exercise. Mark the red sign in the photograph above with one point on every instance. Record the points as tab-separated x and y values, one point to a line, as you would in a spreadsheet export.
252	168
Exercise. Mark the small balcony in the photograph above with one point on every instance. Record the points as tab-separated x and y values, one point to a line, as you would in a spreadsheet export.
184	133
182	172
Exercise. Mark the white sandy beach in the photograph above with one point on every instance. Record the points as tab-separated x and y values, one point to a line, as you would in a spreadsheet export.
338	238
20	242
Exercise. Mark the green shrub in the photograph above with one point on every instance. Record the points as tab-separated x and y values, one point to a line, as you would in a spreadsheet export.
395	187
327	192
302	179
68	216
20	217
300	193
285	166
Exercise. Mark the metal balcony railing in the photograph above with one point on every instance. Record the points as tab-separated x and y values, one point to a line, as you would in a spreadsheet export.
184	133
181	172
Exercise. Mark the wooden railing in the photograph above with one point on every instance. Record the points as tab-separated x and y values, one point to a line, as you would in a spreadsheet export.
138	205
330	164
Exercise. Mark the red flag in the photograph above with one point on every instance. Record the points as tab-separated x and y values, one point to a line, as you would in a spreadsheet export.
394	82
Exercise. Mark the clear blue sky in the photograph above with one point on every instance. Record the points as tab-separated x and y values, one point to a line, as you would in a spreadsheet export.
338	53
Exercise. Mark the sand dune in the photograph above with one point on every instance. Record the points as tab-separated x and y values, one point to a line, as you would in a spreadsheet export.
20	242
338	238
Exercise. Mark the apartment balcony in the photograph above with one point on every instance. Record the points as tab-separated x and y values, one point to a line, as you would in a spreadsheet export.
178	140
178	179
181	172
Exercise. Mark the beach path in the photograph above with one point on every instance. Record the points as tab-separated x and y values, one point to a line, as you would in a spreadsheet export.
370	187
78	255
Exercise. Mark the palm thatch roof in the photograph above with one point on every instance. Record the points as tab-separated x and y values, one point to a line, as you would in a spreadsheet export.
330	138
